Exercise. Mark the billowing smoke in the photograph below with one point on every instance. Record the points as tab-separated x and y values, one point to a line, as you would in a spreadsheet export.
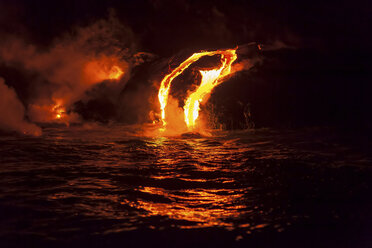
70	66
12	112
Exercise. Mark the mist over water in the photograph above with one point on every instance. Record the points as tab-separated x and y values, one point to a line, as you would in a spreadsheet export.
12	113
109	186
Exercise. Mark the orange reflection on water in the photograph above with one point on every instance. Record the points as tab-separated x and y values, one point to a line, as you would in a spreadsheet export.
201	207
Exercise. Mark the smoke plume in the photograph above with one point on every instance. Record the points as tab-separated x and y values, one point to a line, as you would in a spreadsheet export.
72	65
12	113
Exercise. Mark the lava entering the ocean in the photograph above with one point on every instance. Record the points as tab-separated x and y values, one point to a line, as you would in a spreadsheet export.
210	79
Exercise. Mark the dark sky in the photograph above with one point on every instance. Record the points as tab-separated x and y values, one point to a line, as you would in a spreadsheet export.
165	27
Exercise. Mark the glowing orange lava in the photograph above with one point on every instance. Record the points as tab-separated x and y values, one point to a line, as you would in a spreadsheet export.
58	110
210	79
102	69
115	72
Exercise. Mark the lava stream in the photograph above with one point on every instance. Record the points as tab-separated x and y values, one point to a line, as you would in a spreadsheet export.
210	79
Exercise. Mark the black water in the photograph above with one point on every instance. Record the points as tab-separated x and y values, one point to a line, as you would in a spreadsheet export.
110	187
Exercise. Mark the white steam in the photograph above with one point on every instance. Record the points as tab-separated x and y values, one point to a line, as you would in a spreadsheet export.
12	113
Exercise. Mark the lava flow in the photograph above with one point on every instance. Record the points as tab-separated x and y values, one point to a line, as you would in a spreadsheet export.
210	79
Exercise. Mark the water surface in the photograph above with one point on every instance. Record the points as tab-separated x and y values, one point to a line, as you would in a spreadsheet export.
109	186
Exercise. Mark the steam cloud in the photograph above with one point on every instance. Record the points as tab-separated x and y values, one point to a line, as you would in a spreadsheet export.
72	65
12	112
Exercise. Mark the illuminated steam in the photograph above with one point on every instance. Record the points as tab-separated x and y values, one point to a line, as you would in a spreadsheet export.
12	113
70	67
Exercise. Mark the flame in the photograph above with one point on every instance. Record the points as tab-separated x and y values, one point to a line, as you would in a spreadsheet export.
210	79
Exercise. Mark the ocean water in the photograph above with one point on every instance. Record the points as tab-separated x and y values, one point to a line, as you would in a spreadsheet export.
112	187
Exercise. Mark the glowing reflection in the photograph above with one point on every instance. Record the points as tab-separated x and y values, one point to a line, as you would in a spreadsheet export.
200	207
184	183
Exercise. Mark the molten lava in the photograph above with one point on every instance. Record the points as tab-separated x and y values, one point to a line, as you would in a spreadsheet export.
102	69
115	72
210	79
58	110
